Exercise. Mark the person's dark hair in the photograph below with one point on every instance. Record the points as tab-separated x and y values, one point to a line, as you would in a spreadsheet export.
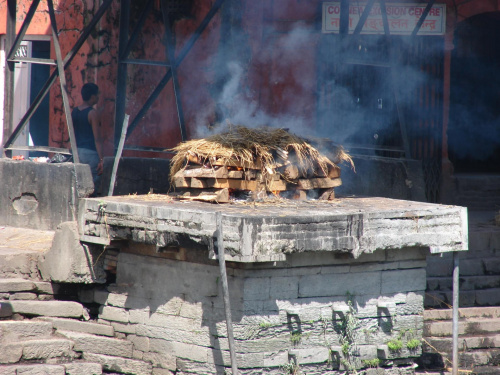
88	90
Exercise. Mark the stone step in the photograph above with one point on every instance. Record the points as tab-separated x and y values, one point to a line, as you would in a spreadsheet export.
467	312
87	343
73	368
471	326
467	298
119	365
66	324
12	330
478	370
466	283
20	250
473	359
465	343
34	369
36	350
12	285
61	309
478	263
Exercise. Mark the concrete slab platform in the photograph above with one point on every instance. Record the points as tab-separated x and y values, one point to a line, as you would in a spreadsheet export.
260	232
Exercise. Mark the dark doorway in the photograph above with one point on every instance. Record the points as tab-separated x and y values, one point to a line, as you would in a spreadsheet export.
39	122
474	128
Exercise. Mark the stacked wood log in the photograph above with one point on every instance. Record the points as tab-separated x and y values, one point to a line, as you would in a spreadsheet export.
283	172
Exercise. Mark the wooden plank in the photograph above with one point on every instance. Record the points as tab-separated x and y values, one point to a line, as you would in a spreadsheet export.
226	183
242	184
237	163
326	194
290	172
235	174
181	182
217	196
333	172
201	172
200	183
250	174
318	183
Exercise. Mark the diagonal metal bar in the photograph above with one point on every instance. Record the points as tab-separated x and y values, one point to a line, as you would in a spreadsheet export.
422	17
24	28
394	83
173	69
182	54
33	60
385	21
50	81
363	17
135	33
121	75
187	47
62	81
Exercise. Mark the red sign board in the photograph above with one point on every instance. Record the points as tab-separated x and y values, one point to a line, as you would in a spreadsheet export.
402	18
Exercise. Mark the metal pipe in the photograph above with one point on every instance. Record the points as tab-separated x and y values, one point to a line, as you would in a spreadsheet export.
455	311
225	292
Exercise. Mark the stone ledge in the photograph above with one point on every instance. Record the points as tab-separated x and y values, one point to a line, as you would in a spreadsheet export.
270	232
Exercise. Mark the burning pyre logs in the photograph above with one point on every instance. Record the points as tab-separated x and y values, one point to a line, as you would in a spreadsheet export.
254	161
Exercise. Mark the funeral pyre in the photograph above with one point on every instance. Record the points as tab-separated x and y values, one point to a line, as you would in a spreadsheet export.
253	163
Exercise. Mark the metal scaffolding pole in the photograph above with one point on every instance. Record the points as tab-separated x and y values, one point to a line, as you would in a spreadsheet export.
456	286
8	119
225	293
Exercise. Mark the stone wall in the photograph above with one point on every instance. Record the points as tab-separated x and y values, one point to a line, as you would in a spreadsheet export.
321	312
41	195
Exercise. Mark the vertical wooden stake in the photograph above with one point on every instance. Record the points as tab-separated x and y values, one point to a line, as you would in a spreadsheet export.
118	155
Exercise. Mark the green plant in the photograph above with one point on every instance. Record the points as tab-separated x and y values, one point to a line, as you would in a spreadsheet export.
290	368
347	329
371	362
395	345
413	344
265	324
101	208
295	337
345	348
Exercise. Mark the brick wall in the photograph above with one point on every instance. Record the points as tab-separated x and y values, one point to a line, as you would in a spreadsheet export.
320	313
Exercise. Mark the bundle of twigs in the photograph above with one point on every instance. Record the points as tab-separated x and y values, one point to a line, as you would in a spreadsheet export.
266	145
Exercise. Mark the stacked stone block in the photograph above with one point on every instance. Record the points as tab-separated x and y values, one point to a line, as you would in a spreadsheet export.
479	270
318	313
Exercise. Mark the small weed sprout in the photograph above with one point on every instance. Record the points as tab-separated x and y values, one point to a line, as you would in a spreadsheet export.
372	363
347	330
395	345
413	344
265	325
290	368
295	337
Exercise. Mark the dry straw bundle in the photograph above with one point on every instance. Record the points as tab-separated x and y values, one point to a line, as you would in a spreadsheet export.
266	146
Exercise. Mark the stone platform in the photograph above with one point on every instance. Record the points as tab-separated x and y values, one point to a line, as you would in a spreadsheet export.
262	232
315	287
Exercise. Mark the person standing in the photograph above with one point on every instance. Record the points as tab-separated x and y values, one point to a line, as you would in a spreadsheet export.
86	123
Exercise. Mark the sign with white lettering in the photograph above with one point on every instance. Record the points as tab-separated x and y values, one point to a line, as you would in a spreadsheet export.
402	18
